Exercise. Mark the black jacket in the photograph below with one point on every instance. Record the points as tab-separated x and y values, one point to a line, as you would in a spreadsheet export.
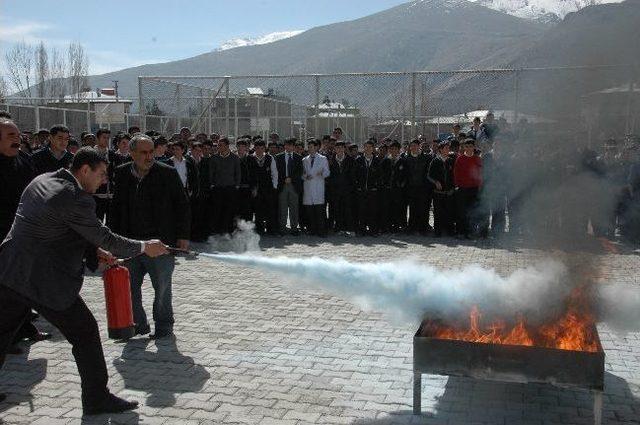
44	161
15	174
156	206
42	256
394	173
193	175
417	170
367	178
341	177
295	172
442	171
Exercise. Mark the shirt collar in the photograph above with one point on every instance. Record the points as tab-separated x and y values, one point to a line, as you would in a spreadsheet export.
74	177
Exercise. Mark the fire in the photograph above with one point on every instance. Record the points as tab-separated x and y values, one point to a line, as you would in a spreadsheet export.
573	330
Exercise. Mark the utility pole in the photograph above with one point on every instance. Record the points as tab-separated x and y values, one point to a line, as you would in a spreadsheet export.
115	87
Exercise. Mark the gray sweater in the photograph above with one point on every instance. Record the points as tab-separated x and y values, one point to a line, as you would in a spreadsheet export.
224	171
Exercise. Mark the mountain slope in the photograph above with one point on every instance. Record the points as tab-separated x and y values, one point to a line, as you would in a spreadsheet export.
419	35
546	11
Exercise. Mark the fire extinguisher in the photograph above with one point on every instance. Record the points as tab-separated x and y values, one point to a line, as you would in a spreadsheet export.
117	294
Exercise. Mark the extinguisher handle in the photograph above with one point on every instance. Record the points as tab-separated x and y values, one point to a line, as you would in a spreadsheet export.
183	252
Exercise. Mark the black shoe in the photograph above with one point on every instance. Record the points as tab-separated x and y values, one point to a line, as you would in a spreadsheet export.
161	334
40	336
143	329
3	397
295	233
111	404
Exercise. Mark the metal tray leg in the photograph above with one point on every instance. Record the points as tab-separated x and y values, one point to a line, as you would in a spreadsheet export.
597	407
417	393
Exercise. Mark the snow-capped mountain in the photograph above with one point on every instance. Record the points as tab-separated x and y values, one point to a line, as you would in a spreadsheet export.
540	10
254	41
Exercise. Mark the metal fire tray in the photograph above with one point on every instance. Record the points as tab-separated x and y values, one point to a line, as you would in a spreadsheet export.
507	363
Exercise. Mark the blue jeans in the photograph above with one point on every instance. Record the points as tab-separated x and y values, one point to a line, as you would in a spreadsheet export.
160	270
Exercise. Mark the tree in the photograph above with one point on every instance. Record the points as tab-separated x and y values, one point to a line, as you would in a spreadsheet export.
19	62
78	69
57	73
4	89
42	70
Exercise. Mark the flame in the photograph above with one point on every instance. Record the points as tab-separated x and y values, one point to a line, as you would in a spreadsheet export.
573	330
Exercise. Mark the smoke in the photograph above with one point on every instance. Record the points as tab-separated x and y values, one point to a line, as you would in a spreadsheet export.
409	291
619	307
243	239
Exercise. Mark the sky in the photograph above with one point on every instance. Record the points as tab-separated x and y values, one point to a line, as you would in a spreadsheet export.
118	34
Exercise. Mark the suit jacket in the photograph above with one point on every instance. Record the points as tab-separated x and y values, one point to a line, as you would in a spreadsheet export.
295	172
155	207
42	256
15	174
341	178
367	178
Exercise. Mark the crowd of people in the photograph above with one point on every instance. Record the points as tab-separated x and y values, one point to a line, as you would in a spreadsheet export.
464	184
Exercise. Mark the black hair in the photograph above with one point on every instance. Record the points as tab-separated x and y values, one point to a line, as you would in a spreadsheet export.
86	156
58	129
258	142
370	142
313	142
102	131
223	140
5	114
395	144
291	141
73	142
133	129
340	143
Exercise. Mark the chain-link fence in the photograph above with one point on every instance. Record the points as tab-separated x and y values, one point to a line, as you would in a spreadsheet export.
593	102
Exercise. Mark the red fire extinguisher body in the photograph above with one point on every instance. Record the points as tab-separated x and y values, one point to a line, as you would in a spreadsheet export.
117	293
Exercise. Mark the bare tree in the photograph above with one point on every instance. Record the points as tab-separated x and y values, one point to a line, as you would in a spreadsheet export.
42	70
4	89
19	61
57	73
78	63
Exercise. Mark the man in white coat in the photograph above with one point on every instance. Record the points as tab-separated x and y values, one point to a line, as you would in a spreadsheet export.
315	169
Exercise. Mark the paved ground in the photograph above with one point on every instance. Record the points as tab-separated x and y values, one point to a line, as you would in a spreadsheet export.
253	349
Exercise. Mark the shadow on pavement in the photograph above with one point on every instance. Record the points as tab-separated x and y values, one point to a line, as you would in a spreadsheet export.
162	373
466	400
18	377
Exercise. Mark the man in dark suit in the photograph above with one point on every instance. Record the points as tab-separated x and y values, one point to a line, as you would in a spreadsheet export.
367	177
149	201
16	172
340	190
289	165
41	267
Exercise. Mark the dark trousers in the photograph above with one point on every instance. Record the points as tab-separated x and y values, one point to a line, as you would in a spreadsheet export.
102	208
265	208
384	196
418	212
340	211
199	216
466	206
443	213
316	217
243	204
78	326
368	211
224	209
160	270
397	209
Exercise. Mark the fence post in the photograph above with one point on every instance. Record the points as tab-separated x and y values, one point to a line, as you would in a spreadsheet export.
629	127
37	111
235	116
141	107
178	109
226	95
413	105
317	108
88	116
276	112
516	106
64	118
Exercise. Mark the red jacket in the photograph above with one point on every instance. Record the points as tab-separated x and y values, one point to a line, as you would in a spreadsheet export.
467	171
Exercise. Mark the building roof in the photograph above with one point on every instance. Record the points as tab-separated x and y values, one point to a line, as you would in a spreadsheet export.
92	97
